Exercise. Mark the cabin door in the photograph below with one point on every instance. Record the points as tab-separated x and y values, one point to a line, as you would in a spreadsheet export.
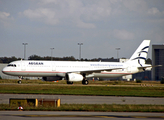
53	67
129	69
23	66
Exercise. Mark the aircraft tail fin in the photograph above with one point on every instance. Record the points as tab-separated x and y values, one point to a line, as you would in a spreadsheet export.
140	55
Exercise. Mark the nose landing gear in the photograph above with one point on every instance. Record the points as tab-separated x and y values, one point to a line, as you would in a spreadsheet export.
20	80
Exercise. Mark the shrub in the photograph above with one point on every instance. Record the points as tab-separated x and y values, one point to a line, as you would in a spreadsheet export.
162	80
138	81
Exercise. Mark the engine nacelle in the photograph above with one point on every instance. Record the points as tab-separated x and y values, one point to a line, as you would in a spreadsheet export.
55	78
74	77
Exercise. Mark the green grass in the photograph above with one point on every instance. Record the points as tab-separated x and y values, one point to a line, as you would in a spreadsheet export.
118	82
91	107
99	88
82	90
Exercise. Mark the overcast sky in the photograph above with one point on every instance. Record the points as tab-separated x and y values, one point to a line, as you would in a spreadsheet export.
101	25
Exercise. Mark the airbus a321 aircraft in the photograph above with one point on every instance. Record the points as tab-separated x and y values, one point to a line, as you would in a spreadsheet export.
74	71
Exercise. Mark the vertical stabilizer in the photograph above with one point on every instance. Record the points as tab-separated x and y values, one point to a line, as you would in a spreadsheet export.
140	55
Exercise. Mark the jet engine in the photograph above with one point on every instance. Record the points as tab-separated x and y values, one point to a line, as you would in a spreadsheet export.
55	78
74	77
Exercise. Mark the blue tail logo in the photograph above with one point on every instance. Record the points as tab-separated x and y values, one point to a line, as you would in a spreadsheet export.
139	55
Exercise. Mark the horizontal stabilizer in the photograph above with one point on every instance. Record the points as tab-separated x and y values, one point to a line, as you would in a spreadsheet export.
149	66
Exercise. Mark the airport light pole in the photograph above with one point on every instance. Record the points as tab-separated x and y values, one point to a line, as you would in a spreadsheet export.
117	52
51	52
80	50
24	49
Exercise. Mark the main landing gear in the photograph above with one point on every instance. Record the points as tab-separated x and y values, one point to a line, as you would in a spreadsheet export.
85	82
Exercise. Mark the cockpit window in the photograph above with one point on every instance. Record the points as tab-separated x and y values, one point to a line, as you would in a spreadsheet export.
11	65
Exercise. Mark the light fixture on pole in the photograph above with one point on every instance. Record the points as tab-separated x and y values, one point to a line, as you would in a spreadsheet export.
80	50
51	52
24	49
117	52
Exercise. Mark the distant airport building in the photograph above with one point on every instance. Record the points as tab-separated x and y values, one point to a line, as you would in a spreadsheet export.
108	60
146	75
158	59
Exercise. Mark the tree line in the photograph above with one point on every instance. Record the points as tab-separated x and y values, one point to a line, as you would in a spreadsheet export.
36	57
69	58
8	59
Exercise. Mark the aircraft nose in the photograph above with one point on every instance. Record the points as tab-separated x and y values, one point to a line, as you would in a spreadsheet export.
4	70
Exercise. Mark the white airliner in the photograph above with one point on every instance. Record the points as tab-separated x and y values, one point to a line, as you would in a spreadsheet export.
74	71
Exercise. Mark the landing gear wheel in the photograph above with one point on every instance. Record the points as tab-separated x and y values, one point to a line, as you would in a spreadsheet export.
19	82
85	82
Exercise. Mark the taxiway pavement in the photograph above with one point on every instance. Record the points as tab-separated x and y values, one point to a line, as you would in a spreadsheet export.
76	99
74	115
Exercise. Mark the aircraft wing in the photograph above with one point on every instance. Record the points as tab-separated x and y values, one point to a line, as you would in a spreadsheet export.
95	70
